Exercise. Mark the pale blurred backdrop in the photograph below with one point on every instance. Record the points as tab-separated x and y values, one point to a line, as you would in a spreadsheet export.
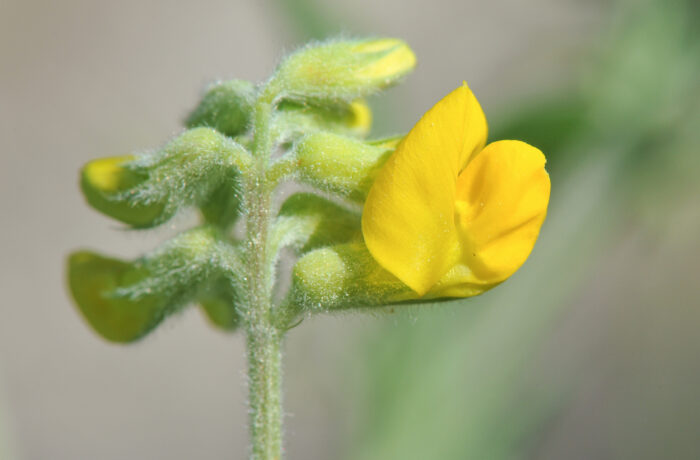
589	352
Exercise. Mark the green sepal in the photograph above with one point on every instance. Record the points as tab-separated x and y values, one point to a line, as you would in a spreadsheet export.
123	301
342	70
226	107
294	119
343	277
307	221
340	165
148	190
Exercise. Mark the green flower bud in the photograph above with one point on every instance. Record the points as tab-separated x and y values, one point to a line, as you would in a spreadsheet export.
105	183
226	107
146	191
293	119
340	165
93	280
123	301
342	70
307	221
342	277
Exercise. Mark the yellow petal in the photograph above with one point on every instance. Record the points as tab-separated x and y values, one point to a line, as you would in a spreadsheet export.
109	174
460	281
396	59
502	198
360	117
408	218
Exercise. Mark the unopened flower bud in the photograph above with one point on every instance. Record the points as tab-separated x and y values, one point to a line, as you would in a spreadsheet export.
226	106
106	182
344	276
294	119
343	70
340	165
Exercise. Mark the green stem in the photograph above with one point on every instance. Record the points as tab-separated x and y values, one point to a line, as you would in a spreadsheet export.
263	338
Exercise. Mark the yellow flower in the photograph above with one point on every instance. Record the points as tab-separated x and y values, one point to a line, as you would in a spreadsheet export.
450	216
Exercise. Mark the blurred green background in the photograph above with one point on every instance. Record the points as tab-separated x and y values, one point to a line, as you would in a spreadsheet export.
589	351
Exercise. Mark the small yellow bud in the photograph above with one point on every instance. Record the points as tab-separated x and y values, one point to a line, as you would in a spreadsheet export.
360	118
342	70
104	183
396	59
294	119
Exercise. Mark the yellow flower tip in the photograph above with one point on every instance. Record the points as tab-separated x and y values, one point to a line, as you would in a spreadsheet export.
396	59
107	174
449	217
104	180
360	116
378	46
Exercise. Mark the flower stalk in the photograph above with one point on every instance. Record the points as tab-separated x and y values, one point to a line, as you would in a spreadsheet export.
263	339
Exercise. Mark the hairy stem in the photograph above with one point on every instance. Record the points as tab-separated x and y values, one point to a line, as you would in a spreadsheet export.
263	338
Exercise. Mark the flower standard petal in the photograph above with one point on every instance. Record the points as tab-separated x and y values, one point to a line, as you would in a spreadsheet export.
502	198
408	219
